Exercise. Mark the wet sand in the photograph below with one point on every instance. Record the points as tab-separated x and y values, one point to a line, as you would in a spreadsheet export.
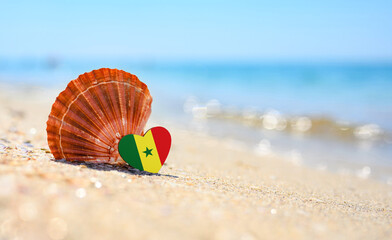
209	189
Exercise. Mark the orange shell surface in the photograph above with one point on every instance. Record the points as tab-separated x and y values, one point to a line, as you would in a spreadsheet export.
94	112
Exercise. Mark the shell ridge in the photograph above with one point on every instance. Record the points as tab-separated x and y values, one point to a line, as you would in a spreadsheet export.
80	133
87	95
85	124
118	75
114	75
121	98
136	109
95	109
99	92
131	100
98	124
84	143
111	100
132	106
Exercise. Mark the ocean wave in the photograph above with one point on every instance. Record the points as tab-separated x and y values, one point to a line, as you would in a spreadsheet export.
274	120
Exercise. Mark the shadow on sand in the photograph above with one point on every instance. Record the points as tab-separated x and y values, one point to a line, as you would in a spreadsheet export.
108	167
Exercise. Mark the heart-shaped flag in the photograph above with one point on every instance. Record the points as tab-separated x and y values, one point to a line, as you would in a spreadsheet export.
147	153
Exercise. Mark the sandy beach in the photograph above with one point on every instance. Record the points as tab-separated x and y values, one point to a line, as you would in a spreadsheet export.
208	189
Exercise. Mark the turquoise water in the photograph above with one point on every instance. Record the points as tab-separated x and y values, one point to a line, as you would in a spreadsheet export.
355	93
358	93
268	106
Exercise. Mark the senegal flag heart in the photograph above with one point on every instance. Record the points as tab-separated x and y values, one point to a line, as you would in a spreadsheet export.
147	153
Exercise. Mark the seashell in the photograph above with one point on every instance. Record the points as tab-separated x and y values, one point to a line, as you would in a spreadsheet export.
94	112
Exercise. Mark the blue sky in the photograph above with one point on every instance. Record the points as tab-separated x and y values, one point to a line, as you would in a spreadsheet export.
199	30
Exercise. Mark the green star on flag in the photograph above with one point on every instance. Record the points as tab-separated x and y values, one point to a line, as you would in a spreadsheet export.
148	152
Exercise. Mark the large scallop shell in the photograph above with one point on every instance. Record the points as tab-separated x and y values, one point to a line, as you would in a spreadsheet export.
94	112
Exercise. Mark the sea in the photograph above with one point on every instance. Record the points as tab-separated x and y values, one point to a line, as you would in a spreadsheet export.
329	116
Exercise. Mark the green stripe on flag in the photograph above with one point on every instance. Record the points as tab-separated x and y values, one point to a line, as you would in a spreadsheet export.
129	151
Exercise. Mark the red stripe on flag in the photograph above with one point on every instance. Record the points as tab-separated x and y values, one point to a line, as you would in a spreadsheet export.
162	140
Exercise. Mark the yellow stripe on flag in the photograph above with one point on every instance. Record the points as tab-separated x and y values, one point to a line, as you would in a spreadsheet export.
148	152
